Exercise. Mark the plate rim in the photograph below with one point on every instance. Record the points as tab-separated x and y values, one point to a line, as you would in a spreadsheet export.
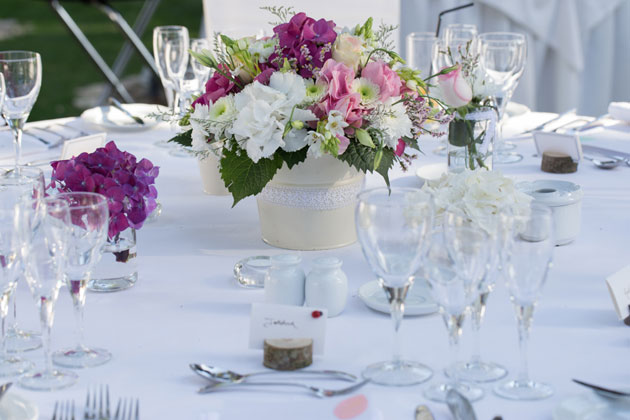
410	310
147	126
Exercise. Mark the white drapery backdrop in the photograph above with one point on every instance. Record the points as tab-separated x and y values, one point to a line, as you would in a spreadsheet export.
579	50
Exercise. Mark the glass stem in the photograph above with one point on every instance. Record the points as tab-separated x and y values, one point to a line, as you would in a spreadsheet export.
454	326
14	325
46	319
17	125
396	297
4	311
524	315
77	291
478	313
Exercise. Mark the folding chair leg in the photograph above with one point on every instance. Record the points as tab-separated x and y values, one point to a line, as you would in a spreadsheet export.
91	51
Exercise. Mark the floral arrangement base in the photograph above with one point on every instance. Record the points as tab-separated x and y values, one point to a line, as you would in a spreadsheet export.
211	177
310	206
118	268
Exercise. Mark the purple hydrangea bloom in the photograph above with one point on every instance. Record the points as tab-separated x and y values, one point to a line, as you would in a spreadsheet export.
127	184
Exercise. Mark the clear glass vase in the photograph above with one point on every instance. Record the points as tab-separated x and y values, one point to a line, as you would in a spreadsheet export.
471	140
118	268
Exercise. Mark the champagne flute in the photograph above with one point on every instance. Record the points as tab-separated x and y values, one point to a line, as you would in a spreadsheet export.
502	57
455	264
22	71
199	45
17	184
162	36
391	228
177	62
496	225
89	216
10	249
528	261
45	257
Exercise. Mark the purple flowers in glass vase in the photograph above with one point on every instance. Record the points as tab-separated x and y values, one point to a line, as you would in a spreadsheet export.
129	185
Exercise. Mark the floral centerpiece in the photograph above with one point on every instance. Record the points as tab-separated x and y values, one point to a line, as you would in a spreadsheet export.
310	89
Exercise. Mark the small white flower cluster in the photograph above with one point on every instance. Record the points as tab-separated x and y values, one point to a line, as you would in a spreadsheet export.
479	194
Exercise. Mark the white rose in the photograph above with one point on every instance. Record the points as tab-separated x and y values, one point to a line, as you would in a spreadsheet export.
348	50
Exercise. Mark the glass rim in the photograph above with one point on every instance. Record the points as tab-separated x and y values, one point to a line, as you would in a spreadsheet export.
514	36
102	200
461	25
361	197
421	35
27	55
169	28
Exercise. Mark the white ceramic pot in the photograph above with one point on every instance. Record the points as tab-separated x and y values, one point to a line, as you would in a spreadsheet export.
211	177
565	200
310	206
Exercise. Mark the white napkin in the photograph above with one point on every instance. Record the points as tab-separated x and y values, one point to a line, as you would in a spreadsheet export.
620	111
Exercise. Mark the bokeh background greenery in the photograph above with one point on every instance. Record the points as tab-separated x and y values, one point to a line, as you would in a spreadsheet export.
65	66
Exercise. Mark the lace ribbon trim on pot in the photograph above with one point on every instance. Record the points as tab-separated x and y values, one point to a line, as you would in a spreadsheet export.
312	198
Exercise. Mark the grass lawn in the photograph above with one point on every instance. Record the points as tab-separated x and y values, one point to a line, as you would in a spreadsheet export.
65	65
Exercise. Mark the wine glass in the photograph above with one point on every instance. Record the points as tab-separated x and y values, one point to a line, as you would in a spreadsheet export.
391	228
22	71
497	225
45	259
199	45
10	250
89	216
502	57
162	38
422	47
454	266
177	62
17	184
528	261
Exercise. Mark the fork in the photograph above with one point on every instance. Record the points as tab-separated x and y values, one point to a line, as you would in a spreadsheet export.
319	392
91	412
61	408
125	409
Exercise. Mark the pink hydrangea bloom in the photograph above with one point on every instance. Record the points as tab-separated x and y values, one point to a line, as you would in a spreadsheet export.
217	87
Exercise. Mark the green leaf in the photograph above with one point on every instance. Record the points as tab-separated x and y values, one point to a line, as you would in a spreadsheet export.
377	158
359	156
386	163
293	158
460	133
184	139
244	177
411	142
204	59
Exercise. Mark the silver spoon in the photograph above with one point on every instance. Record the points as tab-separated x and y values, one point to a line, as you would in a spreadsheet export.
605	392
217	374
4	388
460	407
604	163
320	392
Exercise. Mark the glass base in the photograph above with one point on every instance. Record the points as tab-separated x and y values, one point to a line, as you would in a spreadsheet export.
477	371
48	381
400	373
506	146
18	340
180	152
113	284
81	357
163	144
519	390
507	157
439	392
14	366
440	150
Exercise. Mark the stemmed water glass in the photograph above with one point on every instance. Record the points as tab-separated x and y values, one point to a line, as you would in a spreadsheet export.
89	217
528	261
497	225
392	227
422	48
170	45
502	57
17	184
22	71
10	250
45	257
454	266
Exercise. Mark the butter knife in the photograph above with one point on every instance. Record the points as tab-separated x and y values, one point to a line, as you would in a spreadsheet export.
543	125
114	102
606	152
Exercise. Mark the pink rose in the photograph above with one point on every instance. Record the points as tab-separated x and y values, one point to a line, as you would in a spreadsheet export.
339	96
379	73
456	91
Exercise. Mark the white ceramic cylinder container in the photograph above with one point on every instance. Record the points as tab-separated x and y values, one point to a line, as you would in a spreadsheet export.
565	200
327	286
284	282
211	177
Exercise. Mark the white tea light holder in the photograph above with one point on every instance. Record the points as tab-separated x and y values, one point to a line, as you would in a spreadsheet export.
565	200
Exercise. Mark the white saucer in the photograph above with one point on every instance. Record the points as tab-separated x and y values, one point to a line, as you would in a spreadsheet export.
514	109
15	407
431	172
110	118
418	302
591	406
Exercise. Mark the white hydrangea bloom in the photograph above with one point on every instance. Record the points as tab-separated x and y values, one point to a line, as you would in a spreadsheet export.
199	133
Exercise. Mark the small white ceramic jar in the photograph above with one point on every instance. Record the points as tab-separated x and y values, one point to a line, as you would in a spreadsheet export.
327	285
565	200
284	282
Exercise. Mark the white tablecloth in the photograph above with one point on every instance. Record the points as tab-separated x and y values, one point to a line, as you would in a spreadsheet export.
187	308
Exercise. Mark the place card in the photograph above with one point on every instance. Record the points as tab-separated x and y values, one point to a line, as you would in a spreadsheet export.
619	288
86	144
560	143
287	321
